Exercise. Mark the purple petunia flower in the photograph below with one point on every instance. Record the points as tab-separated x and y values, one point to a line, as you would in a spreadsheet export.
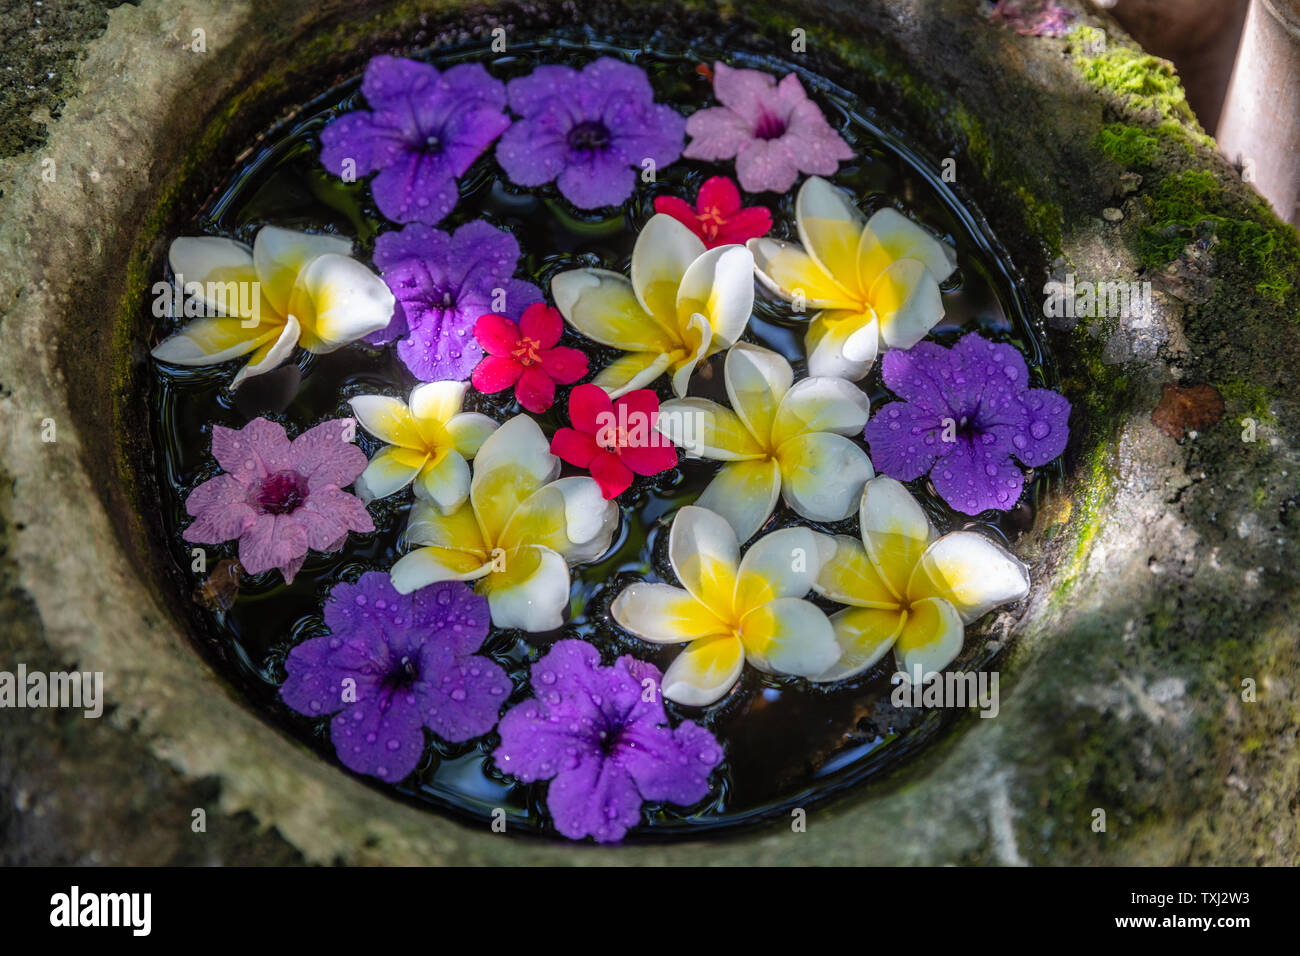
443	284
422	131
394	664
590	131
280	498
772	129
600	735
966	411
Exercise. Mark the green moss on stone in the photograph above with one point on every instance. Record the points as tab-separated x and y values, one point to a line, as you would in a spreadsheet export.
1246	400
1142	81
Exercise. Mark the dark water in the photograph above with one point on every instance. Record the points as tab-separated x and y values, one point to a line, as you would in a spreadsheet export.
788	744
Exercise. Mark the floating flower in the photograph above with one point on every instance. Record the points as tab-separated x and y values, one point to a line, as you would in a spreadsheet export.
731	610
772	129
591	131
683	304
422	131
717	216
290	289
777	438
614	438
429	442
966	411
872	281
907	589
517	535
600	735
444	283
526	354
280	498
392	665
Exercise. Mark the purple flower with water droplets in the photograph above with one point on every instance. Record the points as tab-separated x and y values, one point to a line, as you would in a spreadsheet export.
443	283
966	411
422	131
590	131
280	498
600	735
394	664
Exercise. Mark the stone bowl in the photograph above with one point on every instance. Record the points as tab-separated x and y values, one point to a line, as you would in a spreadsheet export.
1150	698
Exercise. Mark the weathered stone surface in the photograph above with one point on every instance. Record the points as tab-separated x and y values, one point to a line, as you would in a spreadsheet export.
1164	578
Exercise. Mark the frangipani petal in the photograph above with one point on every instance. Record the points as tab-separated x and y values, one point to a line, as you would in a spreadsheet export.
270	354
468	431
664	251
793	275
848	576
907	303
391	470
632	371
890	236
531	593
895	531
210	341
744	493
704	671
437	401
783	564
428	526
822	475
830	228
338	300
706	429
426	566
207	265
388	419
705	555
279	255
757	380
698	340
842	344
789	636
970	572
821	405
931	637
511	464
663	614
720	286
570	516
602	306
864	635
446	484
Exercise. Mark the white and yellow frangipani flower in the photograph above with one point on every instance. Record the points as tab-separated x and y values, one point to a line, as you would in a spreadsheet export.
731	609
517	535
290	289
908	590
873	283
779	437
683	304
429	442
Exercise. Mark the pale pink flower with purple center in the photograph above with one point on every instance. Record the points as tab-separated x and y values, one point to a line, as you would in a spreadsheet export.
966	411
280	498
601	736
422	131
394	664
772	130
591	131
443	283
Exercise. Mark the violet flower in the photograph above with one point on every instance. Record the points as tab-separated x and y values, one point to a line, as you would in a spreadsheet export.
966	411
422	131
772	129
590	131
443	283
600	735
280	498
394	664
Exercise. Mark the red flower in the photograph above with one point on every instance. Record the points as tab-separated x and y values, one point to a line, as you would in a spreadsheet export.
718	218
525	356
614	438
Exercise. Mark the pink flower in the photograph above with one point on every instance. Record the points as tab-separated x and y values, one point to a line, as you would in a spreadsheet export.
718	217
280	498
772	129
614	439
525	355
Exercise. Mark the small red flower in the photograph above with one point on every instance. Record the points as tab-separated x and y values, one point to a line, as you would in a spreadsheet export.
525	355
613	439
718	217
